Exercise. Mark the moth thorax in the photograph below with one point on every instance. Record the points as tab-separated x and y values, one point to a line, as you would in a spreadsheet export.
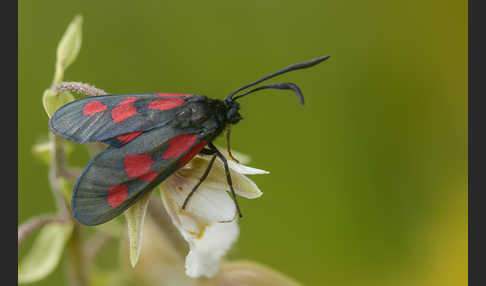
191	115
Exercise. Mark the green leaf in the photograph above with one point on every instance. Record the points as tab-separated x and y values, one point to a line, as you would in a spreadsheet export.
53	101
68	48
45	253
135	216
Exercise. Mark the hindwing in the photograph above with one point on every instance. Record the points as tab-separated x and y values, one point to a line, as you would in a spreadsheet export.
118	177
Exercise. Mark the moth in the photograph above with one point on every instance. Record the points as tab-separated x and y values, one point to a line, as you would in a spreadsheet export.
150	136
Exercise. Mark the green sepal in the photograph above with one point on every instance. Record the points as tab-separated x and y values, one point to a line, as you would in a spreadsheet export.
135	217
52	101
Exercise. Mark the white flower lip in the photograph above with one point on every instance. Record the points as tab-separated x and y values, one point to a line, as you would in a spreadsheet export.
205	253
208	223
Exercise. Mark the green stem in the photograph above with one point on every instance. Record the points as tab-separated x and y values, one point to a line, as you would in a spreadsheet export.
76	267
76	259
58	163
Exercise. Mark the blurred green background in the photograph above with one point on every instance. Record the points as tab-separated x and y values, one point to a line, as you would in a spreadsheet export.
368	182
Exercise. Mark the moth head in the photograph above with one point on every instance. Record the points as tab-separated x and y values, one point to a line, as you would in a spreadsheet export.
233	115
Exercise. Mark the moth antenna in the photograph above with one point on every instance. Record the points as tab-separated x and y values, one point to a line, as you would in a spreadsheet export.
228	131
287	85
293	67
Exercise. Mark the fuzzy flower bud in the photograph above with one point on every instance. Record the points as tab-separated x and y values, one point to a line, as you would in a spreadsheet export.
68	47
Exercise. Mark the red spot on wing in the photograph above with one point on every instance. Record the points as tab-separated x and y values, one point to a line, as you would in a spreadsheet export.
127	137
93	107
193	152
178	145
149	177
117	195
165	103
171	94
124	110
137	165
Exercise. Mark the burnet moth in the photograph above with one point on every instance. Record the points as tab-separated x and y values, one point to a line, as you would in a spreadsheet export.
150	136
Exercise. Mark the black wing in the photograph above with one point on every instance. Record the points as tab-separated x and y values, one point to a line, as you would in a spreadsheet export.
115	119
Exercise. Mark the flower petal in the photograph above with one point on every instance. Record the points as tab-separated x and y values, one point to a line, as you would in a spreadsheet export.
238	167
245	170
216	179
207	203
251	273
205	253
208	242
186	223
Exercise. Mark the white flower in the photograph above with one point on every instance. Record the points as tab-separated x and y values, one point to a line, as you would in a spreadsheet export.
208	222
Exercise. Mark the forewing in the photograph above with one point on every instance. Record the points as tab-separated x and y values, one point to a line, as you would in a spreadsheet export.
117	177
116	119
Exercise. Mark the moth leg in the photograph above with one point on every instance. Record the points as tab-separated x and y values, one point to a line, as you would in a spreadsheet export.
203	177
228	176
228	131
206	151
